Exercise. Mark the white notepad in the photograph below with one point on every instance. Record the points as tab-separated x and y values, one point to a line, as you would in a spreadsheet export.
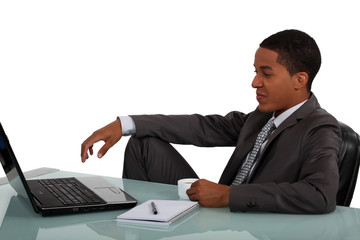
168	212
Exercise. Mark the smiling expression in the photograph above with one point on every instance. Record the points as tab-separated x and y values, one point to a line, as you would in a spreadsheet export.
276	89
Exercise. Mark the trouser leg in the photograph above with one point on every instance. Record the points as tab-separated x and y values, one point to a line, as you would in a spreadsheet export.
152	159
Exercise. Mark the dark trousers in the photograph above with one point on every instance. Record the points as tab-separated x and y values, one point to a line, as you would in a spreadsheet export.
152	159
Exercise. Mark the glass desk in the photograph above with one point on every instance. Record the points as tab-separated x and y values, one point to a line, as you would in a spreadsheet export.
21	222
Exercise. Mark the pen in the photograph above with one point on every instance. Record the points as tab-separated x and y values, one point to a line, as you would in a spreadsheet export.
153	207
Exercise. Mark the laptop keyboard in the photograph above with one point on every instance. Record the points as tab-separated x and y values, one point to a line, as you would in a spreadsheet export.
70	191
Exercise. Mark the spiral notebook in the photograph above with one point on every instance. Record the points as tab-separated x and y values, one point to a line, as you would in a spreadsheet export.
168	211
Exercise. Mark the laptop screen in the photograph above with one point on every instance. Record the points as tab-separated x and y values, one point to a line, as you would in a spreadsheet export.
12	168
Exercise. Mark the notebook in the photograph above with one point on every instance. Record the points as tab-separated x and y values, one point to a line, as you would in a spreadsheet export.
167	212
62	195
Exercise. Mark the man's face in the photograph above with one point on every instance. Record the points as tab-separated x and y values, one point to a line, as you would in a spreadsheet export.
275	88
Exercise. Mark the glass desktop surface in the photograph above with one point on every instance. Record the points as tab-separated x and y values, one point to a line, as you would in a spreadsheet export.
21	222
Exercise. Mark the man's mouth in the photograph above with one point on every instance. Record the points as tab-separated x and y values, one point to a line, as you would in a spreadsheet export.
259	97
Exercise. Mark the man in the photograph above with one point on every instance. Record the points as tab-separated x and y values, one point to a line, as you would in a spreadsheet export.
294	170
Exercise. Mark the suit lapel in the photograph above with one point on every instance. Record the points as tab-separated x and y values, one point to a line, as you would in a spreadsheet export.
292	120
286	124
244	144
250	131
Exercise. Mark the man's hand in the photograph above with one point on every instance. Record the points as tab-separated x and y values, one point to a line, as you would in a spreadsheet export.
209	194
110	134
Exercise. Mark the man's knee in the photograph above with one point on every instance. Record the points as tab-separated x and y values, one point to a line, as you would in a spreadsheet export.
145	151
141	147
153	159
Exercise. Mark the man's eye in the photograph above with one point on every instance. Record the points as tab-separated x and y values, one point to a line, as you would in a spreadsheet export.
267	74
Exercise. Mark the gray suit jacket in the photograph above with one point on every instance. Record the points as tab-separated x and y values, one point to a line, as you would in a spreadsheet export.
297	171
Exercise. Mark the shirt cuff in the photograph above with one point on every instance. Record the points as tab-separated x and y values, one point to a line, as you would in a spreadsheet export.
127	125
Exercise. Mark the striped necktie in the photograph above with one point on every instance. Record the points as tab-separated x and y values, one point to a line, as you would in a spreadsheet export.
261	138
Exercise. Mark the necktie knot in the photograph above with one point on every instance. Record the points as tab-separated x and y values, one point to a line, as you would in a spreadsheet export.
267	130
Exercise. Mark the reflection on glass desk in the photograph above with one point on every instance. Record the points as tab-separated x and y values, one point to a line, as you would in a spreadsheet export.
21	222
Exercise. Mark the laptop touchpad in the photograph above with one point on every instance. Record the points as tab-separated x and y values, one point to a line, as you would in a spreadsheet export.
105	190
110	194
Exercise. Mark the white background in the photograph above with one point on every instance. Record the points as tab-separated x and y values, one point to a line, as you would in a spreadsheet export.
70	67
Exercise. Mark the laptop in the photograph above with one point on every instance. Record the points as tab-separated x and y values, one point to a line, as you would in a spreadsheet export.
62	195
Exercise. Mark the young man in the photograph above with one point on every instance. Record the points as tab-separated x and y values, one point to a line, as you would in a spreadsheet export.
288	166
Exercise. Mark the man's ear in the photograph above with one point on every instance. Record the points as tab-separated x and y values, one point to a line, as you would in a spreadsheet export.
301	80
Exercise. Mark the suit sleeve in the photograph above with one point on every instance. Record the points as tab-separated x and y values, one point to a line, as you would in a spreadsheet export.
198	130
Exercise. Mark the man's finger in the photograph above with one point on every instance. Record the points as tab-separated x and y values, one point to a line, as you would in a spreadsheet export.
103	150
91	150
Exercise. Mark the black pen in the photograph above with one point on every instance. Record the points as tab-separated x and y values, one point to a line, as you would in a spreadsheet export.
154	210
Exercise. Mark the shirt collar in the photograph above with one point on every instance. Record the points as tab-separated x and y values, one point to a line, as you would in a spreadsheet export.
282	117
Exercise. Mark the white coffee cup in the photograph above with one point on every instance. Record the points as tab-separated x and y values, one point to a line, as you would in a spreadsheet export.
183	185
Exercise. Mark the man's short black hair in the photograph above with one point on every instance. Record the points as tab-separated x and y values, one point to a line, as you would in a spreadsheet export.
298	52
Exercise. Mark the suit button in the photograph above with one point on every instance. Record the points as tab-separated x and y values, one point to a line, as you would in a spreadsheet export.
251	204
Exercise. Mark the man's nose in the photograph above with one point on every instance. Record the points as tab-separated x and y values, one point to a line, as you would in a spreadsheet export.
256	83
